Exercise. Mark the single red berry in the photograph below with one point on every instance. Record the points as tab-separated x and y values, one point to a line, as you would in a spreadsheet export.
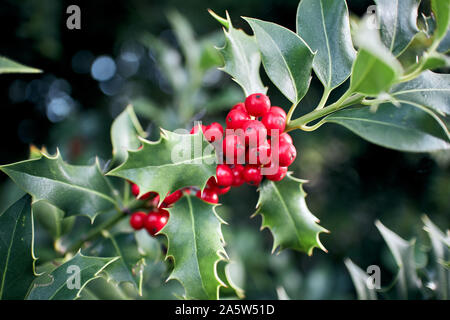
255	133
137	220
208	195
233	148
194	129
240	106
173	197
257	104
224	175
285	138
252	174
259	155
214	132
274	121
286	154
135	189
279	111
278	175
238	178
236	119
156	220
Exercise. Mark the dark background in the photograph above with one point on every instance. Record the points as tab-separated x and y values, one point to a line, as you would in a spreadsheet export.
352	182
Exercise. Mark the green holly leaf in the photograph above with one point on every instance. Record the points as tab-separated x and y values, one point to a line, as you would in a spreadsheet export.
125	132
405	128
359	279
16	250
441	251
196	245
9	66
241	57
403	253
441	10
375	69
61	283
286	57
76	190
174	162
283	209
429	89
130	265
398	23
325	26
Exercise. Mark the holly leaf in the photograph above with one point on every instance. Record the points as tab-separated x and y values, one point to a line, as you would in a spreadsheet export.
241	56
52	219
405	128
129	267
359	279
441	251
398	23
125	131
375	69
10	66
286	57
76	190
325	26
62	284
283	209
16	250
429	89
174	162
403	253
196	245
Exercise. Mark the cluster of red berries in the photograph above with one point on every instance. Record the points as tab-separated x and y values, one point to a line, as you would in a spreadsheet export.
254	141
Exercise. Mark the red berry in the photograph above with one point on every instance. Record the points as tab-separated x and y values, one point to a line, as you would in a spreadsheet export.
156	220
240	106
236	118
172	198
214	132
255	132
279	111
278	175
238	178
194	129
257	104
252	175
208	195
212	184
233	148
137	220
135	191
285	137
259	155
274	121
224	175
286	154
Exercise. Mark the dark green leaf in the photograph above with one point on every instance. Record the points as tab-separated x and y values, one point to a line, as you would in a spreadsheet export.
16	250
404	128
398	23
241	57
403	252
124	134
429	89
325	26
359	279
9	66
286	57
52	219
284	211
57	285
196	245
76	190
174	162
